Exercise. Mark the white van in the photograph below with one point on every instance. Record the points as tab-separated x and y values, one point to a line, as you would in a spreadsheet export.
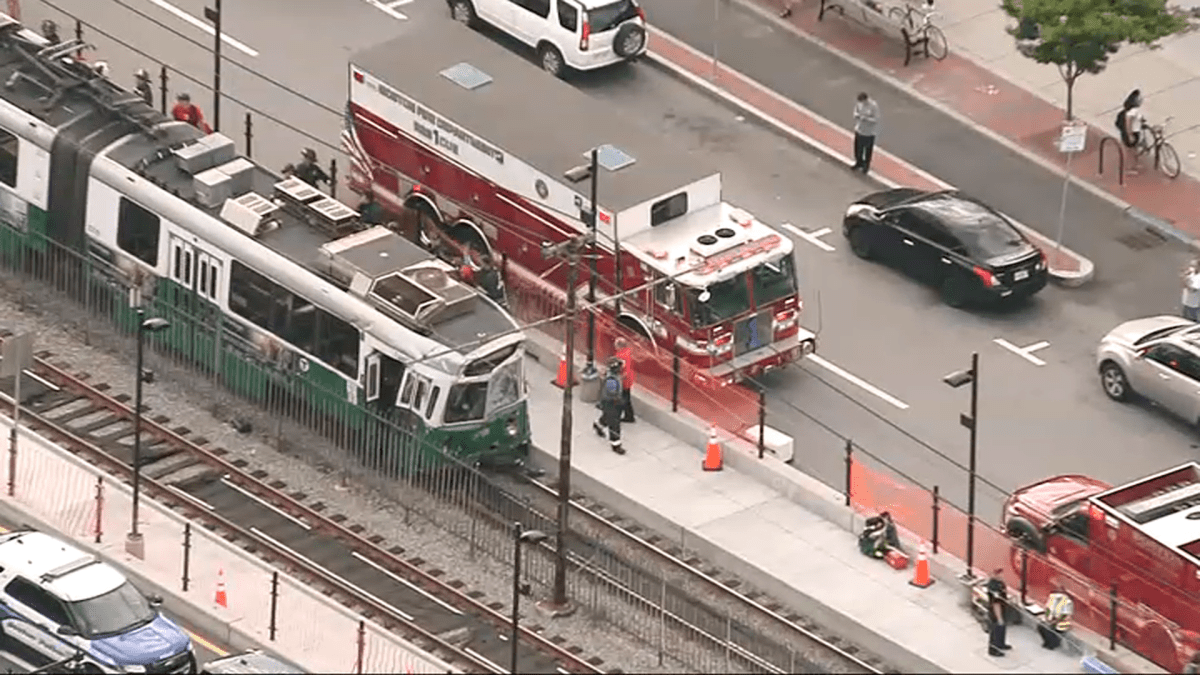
567	34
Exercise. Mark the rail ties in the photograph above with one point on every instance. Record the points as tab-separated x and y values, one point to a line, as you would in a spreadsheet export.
333	553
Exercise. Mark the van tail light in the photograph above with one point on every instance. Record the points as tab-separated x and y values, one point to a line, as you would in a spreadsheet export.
641	14
1042	262
585	34
986	277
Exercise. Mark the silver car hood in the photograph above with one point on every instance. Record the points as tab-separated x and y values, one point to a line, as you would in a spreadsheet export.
1132	331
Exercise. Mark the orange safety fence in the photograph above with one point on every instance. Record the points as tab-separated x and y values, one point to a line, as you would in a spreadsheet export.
1140	628
733	408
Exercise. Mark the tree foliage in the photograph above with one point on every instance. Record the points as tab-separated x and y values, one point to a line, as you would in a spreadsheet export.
1079	36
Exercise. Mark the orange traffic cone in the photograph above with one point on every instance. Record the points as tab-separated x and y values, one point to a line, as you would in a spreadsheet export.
221	599
712	453
921	578
564	370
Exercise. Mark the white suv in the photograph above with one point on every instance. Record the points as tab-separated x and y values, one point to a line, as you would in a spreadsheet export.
567	34
48	587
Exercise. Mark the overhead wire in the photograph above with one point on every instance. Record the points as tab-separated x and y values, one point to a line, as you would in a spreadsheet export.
525	234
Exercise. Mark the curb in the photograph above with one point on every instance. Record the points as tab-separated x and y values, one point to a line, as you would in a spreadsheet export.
211	625
752	6
1067	278
797	487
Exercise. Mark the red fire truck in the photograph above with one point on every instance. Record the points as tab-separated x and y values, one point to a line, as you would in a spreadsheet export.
482	145
1143	539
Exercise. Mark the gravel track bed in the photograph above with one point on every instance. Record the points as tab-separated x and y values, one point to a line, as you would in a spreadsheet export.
89	344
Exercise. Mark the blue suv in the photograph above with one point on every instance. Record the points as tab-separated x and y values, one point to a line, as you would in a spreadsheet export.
88	604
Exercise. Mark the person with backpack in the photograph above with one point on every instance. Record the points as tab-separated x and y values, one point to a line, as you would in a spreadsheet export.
1129	124
611	403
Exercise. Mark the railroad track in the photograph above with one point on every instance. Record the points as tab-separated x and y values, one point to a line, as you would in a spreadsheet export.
440	615
752	632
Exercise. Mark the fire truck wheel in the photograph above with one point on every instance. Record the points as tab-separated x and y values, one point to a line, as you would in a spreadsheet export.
464	12
1025	534
629	41
551	60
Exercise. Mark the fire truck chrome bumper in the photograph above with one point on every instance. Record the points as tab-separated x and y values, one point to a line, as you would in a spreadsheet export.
766	359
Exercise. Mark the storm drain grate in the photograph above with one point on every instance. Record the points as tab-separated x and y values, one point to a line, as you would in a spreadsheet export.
1140	241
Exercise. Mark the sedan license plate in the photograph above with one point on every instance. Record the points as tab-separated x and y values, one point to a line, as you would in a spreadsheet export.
1020	275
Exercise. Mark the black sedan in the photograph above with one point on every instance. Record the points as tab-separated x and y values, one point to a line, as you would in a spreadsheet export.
968	250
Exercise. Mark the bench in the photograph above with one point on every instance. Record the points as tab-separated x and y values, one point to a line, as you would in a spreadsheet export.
921	38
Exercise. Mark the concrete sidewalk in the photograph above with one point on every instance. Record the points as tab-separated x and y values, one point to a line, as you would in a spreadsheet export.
811	563
1020	104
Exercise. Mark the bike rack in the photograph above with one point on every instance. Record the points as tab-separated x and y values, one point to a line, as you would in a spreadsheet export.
1120	159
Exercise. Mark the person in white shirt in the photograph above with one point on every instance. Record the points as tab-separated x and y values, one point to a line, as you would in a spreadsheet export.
1132	120
1191	291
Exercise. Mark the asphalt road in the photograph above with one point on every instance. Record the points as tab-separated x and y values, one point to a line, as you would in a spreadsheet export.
886	330
206	649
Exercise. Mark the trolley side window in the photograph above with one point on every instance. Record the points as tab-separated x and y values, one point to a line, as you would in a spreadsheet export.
138	231
337	343
9	151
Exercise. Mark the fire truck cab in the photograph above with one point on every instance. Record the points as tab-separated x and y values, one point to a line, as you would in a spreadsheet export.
1141	539
485	148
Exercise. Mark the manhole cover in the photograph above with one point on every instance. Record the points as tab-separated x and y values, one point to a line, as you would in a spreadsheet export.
1140	241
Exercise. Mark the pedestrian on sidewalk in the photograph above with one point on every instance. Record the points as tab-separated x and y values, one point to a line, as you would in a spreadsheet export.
866	125
1191	291
609	424
1057	618
625	353
997	614
186	111
50	32
1129	123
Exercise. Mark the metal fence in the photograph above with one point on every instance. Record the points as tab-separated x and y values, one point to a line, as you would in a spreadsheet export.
303	416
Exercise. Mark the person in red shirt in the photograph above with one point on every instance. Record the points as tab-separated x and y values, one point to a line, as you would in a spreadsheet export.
186	111
625	353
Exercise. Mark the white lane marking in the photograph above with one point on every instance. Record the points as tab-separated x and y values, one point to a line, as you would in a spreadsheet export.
858	381
406	582
389	8
264	535
204	26
811	237
290	517
1024	352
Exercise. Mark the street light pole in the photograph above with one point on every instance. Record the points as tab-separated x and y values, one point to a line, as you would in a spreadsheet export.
589	370
970	421
134	544
520	537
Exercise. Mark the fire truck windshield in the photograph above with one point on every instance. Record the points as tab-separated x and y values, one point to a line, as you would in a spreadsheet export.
774	280
726	299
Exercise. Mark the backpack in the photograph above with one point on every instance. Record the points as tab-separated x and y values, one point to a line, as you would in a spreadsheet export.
1120	122
612	389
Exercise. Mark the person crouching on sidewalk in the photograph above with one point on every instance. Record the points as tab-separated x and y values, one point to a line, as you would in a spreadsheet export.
1057	619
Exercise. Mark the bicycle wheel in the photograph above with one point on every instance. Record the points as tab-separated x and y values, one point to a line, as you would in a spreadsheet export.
1168	160
902	18
937	46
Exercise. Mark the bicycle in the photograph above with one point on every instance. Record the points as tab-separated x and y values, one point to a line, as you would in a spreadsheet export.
924	30
1153	137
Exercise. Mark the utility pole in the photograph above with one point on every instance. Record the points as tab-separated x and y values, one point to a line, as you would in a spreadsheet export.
213	14
559	605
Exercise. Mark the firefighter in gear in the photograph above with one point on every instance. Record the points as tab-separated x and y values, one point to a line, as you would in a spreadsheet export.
487	278
1057	619
308	170
611	399
625	353
142	86
369	210
186	111
50	32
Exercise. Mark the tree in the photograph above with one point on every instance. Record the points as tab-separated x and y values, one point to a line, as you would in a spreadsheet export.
1079	36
